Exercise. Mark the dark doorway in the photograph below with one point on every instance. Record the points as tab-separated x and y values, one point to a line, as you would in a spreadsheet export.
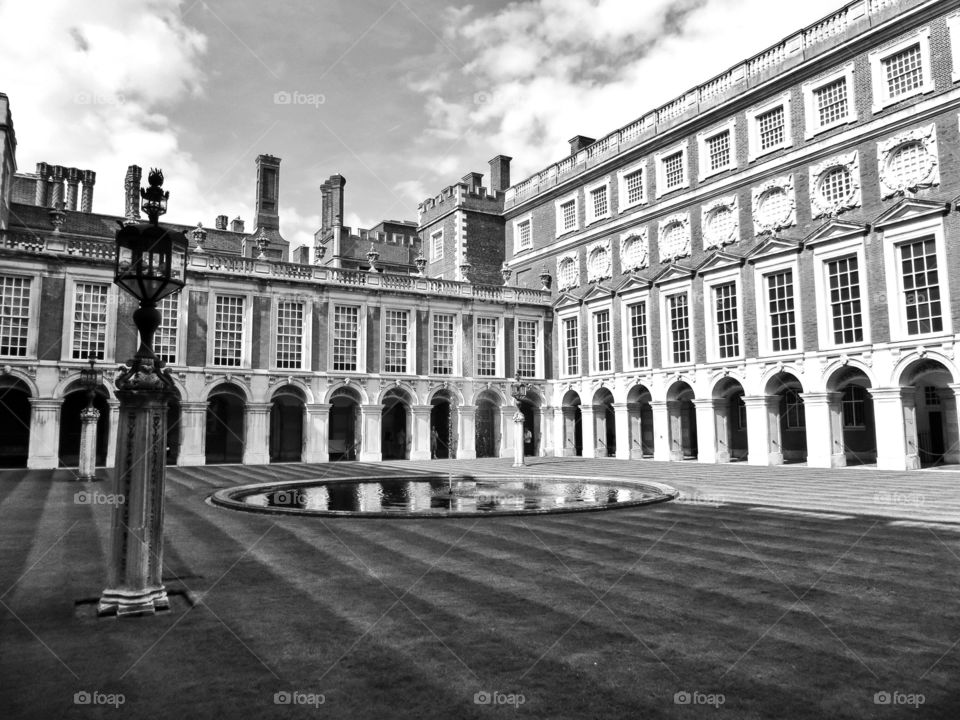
15	422
225	425
394	431
487	427
572	425
73	403
443	434
286	426
343	436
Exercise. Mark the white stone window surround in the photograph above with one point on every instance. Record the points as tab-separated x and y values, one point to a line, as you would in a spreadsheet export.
703	151
823	254
628	300
599	260
590	216
711	279
712	240
896	236
183	320
595	306
538	353
679	222
753	127
878	77
891	185
517	246
457	333
820	206
307	339
665	292
558	205
569	313
34	273
763	224
658	159
361	331
574	281
623	197
761	269
219	289
113	298
953	26
640	236
411	341
436	248
498	355
811	113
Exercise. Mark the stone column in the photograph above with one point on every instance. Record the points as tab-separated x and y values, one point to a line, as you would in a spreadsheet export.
825	447
420	429
316	433
113	427
895	419
675	429
588	429
721	427
44	433
87	465
951	424
467	440
193	433
661	430
758	429
507	430
73	185
624	441
256	434
370	417
547	433
706	430
518	459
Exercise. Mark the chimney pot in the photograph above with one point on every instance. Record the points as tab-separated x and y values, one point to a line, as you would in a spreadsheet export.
236	225
221	222
500	173
473	180
131	188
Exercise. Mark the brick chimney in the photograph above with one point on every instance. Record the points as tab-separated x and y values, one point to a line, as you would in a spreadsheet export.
131	191
236	225
86	195
331	194
42	197
579	142
473	181
221	222
500	173
73	188
268	193
56	191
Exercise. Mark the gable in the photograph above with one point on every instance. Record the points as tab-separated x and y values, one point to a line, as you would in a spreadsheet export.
907	209
719	260
835	230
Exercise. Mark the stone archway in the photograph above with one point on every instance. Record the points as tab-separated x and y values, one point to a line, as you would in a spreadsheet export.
852	421
572	424
15	421
395	426
604	424
443	425
930	414
682	422
787	419
640	420
225	425
287	409
343	428
75	400
730	416
487	424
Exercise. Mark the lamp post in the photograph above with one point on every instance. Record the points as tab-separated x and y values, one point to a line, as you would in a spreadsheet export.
150	264
518	389
90	379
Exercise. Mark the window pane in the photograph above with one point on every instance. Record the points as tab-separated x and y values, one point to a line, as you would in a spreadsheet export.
228	331
673	170
831	101
346	337
601	327
89	321
487	340
599	197
921	287
527	347
14	315
165	339
844	279
572	345
395	341
638	335
728	335
783	329
718	150
568	212
680	327
443	344
772	130
634	183
904	71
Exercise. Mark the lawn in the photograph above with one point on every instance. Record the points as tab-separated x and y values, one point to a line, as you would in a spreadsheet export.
677	610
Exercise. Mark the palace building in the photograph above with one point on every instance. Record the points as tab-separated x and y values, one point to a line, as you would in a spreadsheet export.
760	270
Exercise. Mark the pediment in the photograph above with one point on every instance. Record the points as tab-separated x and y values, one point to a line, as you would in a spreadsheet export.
633	283
564	300
909	208
597	292
673	272
771	247
719	260
835	230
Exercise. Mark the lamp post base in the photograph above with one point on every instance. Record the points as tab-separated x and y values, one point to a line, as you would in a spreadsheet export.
121	603
87	464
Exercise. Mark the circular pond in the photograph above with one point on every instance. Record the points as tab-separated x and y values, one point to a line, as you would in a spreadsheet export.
441	495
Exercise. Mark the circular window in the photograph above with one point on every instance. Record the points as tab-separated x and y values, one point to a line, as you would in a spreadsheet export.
775	208
836	184
675	241
633	253
720	224
909	164
567	272
599	262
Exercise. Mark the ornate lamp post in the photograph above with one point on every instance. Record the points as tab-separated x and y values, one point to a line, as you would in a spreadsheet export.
518	389
90	378
150	264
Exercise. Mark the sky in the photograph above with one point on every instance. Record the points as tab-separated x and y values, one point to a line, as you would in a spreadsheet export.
401	97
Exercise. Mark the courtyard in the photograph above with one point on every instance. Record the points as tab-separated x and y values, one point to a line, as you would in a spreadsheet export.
784	592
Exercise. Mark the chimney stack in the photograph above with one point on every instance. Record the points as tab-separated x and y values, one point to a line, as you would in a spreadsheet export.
221	222
57	191
131	189
86	196
73	186
500	173
267	214
473	180
579	142
236	225
42	197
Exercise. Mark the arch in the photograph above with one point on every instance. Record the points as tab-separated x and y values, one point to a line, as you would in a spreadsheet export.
15	418
225	426
788	431
915	365
768	381
682	421
444	418
930	411
396	422
287	410
11	375
572	424
604	423
445	391
293	386
490	393
487	421
343	426
71	382
396	390
730	418
853	425
833	372
640	421
223	385
75	400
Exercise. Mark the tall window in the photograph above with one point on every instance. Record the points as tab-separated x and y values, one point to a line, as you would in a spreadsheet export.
783	325
634	185
673	170
728	331
638	335
165	339
601	334
443	348
568	215
718	150
527	347
921	287
524	239
843	275
487	341
346	337
831	102
571	344
679	328
14	315
793	405
436	245
772	129
395	340
854	405
903	71
89	321
598	197
289	335
228	331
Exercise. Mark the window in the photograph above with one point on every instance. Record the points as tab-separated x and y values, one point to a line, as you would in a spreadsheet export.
769	127
908	163
395	340
599	205
14	315
527	347
902	70
289	335
783	327
523	234
571	340
568	272
772	126
601	334
89	321
598	261
228	330
346	337
165	338
488	338
639	356
717	149
793	403
931	397
671	165
835	185
568	215
853	403
843	278
633	183
634	250
921	287
728	335
443	347
679	328
673	170
829	101
436	246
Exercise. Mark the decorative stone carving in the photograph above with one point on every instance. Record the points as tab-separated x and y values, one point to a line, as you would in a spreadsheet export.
598	260
720	222
568	270
635	249
835	185
673	234
908	161
774	205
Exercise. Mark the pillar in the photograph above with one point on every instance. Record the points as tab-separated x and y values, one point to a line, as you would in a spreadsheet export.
722	408
256	434
316	432
193	433
370	433
895	418
507	431
420	428
825	448
113	427
547	441
661	430
467	441
44	433
588	429
518	459
624	441
951	424
674	427
758	429
87	465
706	410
